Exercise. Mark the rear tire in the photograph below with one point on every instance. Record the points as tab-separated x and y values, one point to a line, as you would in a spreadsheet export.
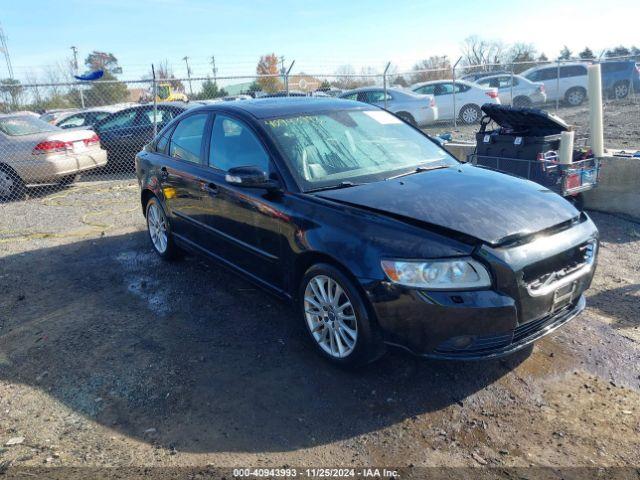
336	318
12	187
159	229
621	90
407	117
470	114
575	96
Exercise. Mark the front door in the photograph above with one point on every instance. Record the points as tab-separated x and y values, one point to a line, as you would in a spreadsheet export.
243	224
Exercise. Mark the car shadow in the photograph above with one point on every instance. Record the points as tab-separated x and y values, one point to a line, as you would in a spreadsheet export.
189	356
621	304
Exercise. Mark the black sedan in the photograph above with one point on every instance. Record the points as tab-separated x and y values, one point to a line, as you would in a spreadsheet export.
124	133
375	232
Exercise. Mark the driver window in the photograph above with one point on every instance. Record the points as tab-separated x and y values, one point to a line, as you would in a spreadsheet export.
234	145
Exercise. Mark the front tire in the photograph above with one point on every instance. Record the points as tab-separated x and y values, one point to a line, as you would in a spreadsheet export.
575	96
337	319
159	230
470	114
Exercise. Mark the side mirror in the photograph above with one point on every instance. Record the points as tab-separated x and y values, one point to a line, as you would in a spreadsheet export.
250	177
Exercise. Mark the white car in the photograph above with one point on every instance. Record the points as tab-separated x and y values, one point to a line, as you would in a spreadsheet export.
33	151
469	98
525	92
572	85
418	110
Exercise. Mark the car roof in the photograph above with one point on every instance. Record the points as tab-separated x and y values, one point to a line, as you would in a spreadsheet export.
285	106
444	80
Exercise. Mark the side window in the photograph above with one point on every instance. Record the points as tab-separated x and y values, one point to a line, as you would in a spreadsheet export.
234	145
487	82
99	116
572	71
351	96
376	96
186	140
120	120
163	141
548	74
461	88
426	89
163	115
73	121
443	89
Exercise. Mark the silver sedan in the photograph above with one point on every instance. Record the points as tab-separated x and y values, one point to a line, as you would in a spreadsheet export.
525	93
418	110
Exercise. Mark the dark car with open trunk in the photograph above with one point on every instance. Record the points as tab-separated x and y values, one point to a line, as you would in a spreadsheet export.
376	233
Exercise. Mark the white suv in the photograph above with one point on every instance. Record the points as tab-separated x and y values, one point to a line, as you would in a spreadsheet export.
572	87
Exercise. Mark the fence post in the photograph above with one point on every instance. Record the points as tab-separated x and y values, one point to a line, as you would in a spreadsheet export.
286	77
511	88
384	83
155	101
453	76
558	87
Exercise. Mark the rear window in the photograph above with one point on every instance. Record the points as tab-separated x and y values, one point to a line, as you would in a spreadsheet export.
18	126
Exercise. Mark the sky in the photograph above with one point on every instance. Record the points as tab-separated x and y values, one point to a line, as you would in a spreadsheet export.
319	35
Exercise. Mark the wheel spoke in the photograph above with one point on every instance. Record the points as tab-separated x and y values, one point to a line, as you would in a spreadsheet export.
338	340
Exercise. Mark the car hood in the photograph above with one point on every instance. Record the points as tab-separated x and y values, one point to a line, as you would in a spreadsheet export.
479	203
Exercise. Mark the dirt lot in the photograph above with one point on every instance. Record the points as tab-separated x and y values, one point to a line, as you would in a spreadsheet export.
621	123
110	357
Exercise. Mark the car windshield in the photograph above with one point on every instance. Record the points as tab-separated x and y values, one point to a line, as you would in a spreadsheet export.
27	125
356	146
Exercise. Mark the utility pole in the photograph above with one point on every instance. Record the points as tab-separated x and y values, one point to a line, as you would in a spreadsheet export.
5	51
283	70
186	60
75	69
215	70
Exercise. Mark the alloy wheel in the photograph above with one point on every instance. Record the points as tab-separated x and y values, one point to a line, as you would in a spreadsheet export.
470	115
575	97
330	316
157	225
621	90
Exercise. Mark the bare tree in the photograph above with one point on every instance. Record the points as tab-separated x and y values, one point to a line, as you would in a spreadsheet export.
521	56
478	52
436	67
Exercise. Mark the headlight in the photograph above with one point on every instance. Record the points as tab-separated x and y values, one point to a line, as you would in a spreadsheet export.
442	274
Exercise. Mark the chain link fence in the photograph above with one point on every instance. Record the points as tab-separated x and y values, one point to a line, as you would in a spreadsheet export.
69	148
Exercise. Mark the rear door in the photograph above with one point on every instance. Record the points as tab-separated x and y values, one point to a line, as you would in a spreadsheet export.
443	92
183	175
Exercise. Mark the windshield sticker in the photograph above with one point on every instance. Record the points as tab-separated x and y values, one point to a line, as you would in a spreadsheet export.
382	117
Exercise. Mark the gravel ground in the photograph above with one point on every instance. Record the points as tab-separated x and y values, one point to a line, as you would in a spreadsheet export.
110	357
621	123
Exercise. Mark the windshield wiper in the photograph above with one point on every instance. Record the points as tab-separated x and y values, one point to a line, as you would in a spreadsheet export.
419	169
335	187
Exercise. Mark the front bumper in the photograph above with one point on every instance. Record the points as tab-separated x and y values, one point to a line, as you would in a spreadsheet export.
482	324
